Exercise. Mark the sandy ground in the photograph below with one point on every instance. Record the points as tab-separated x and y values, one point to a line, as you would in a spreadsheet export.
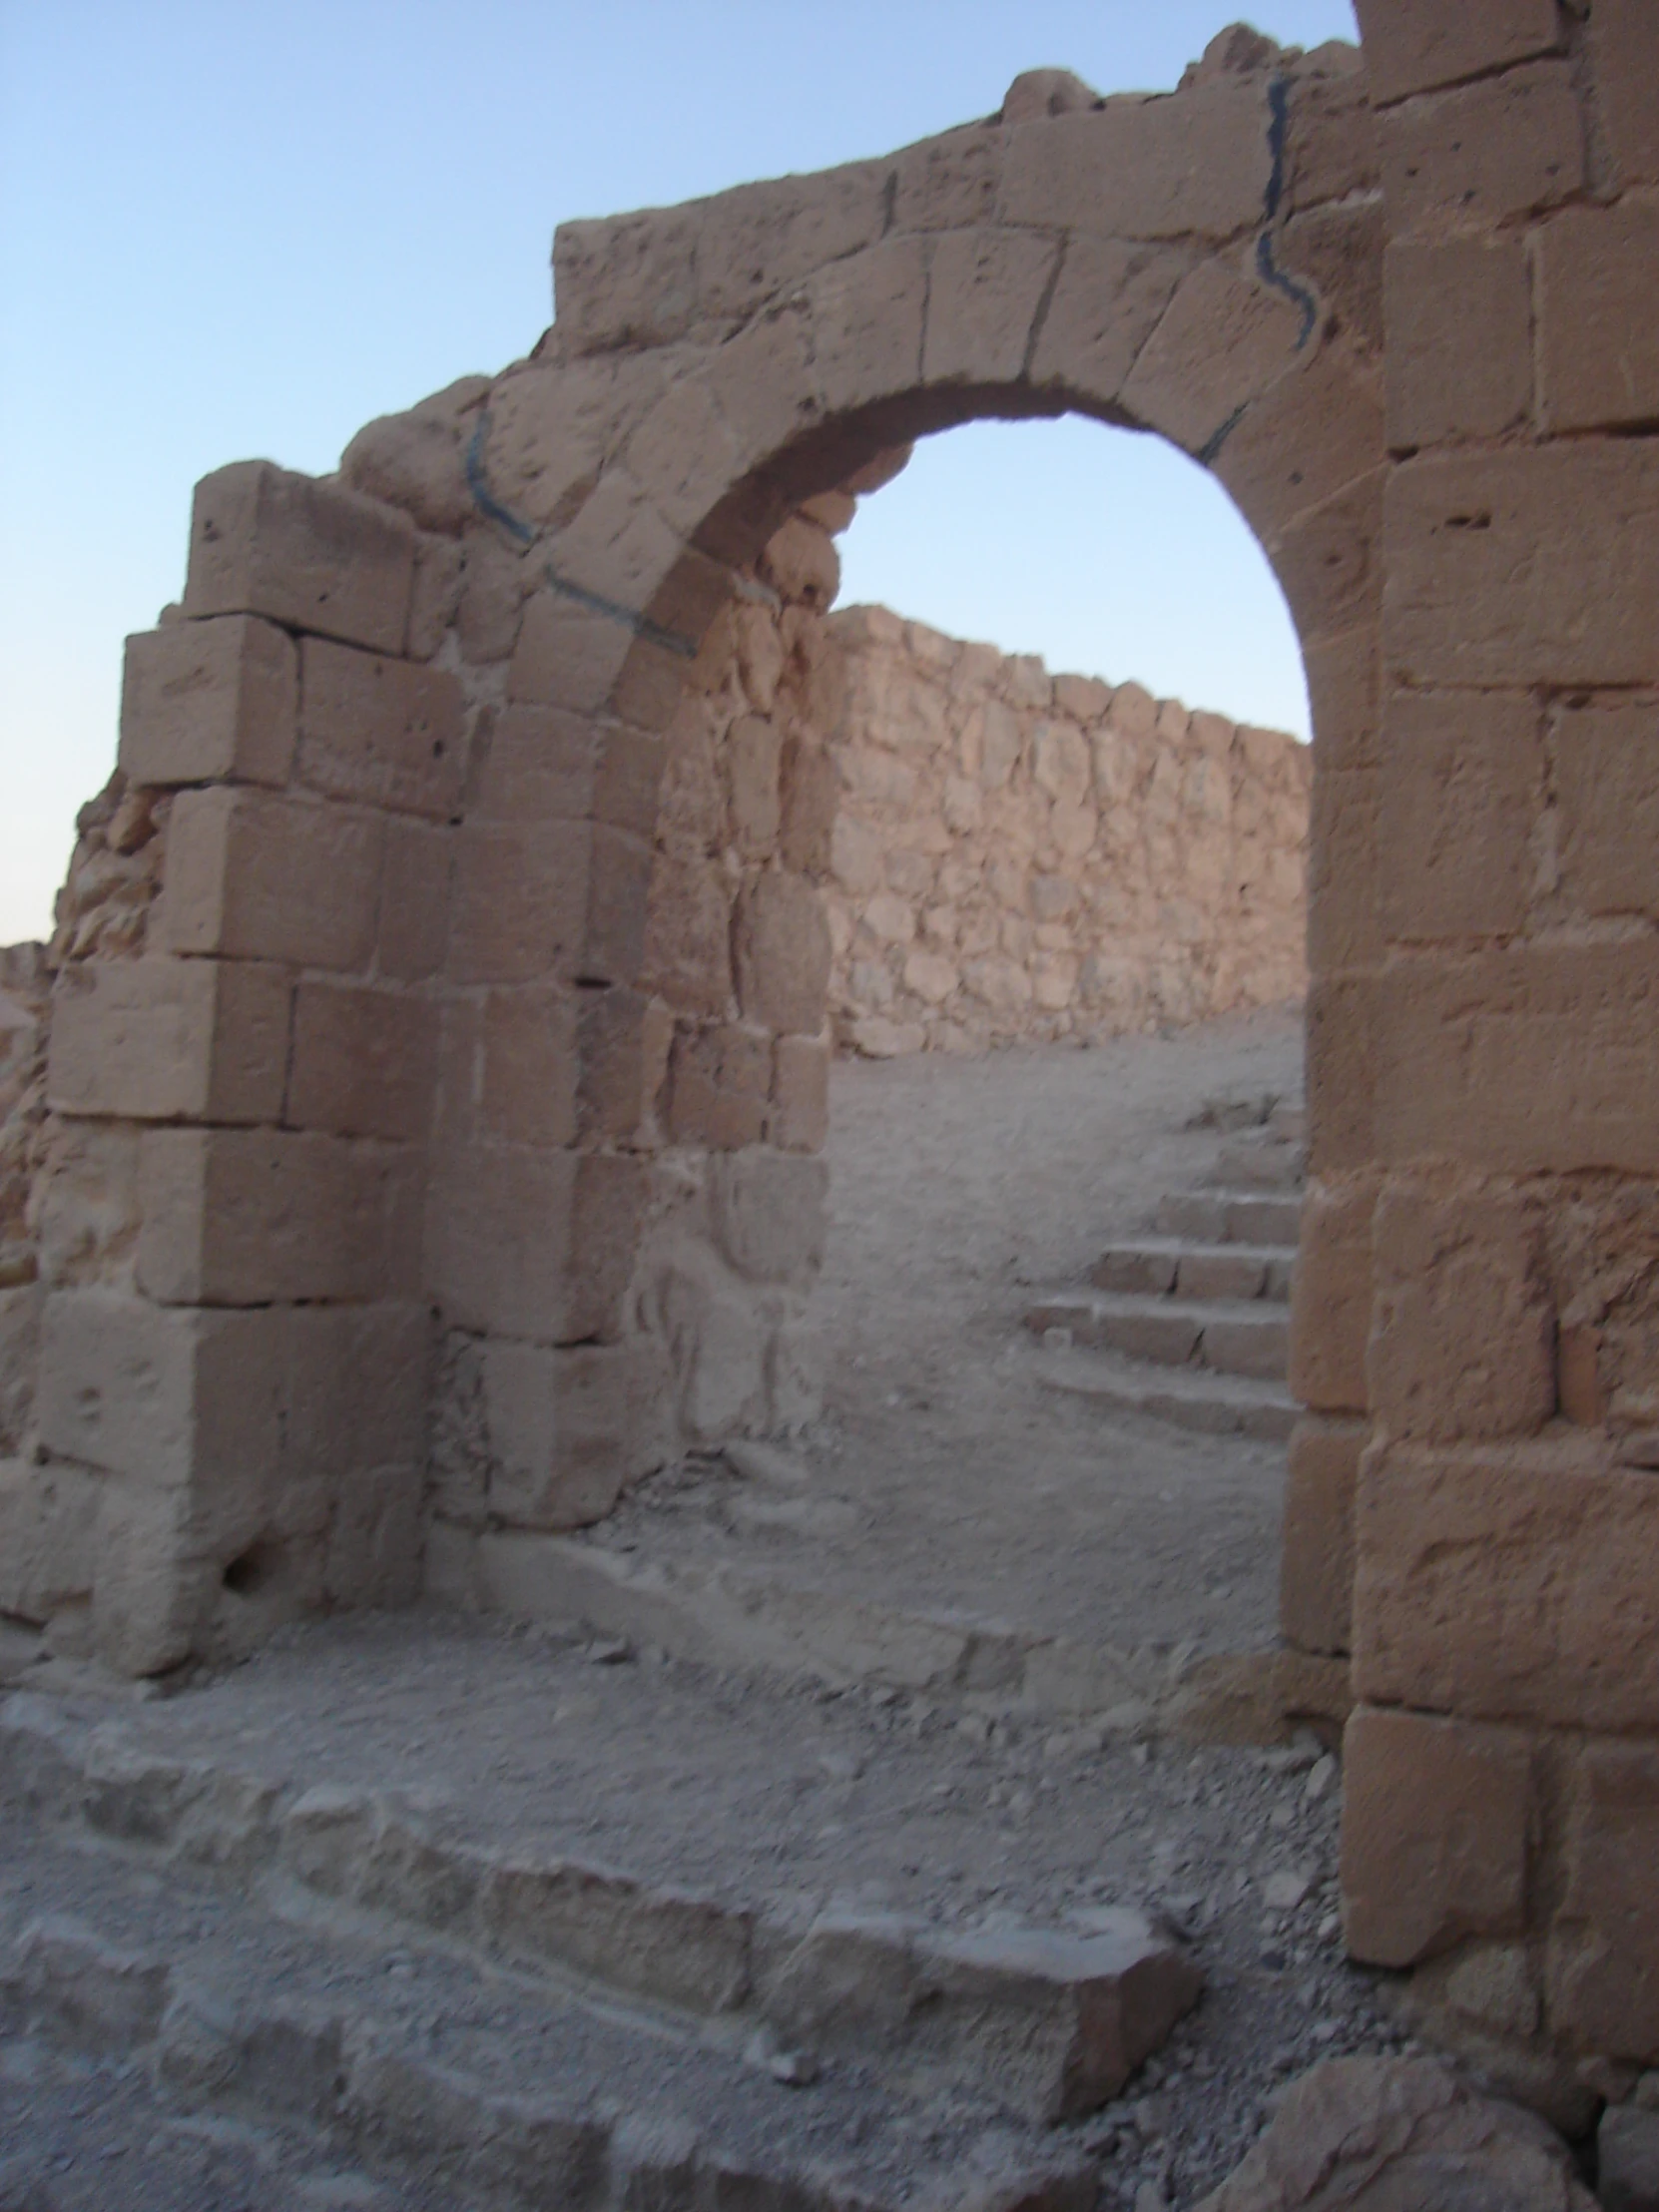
956	1188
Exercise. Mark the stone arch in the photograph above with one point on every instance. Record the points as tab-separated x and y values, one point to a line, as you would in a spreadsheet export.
407	733
717	391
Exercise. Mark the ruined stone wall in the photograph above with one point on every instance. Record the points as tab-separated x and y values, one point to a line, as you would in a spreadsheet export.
1483	1231
703	1106
1026	858
393	1028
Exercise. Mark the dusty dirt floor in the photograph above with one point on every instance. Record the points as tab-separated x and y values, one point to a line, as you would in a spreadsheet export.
946	1477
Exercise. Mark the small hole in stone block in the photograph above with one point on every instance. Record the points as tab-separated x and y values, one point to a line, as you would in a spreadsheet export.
255	1570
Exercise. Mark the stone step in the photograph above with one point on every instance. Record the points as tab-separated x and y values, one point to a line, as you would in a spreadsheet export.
775	1624
1230	1217
1164	1267
411	2058
1243	1337
1261	1163
1188	1397
1045	2022
1288	1122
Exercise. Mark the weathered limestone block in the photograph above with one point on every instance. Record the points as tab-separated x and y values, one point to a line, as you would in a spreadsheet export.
1125	169
1316	1588
416	869
1605	1949
984	290
363	1061
719	1085
1221	343
1519	1058
768	1212
1605	770
622	1043
498	1240
239	1217
801	1093
253	1406
208	702
1624	42
782	952
85	1206
568	1431
687	947
1460	357
381	731
1463	792
161	1040
310	556
1463	1339
416	460
252	876
1512	1581
48	1529
1436	1824
1467	158
1536	565
520	901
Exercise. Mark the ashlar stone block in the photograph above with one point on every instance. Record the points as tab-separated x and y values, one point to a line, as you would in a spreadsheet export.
1605	770
1515	1583
1459	322
253	877
1624	44
801	1093
1330	1297
264	1405
161	1040
1316	1585
1598	348
1462	1339
1605	1949
1460	795
1126	170
309	556
1221	341
210	702
984	290
241	1217
768	1210
1436	1817
498	1241
569	1429
382	731
1530	566
1466	159
1106	304
782	946
363	1060
1416	45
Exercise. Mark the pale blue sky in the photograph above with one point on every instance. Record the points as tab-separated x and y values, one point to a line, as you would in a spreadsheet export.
230	229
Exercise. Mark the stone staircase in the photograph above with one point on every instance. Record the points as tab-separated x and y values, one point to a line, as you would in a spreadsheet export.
1190	1323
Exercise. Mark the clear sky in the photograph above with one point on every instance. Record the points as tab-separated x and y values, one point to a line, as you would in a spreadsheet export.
230	229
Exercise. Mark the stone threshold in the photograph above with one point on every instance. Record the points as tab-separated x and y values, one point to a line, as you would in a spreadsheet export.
770	1622
1039	2022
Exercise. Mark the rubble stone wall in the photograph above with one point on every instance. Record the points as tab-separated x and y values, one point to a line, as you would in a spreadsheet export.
1026	858
396	1024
